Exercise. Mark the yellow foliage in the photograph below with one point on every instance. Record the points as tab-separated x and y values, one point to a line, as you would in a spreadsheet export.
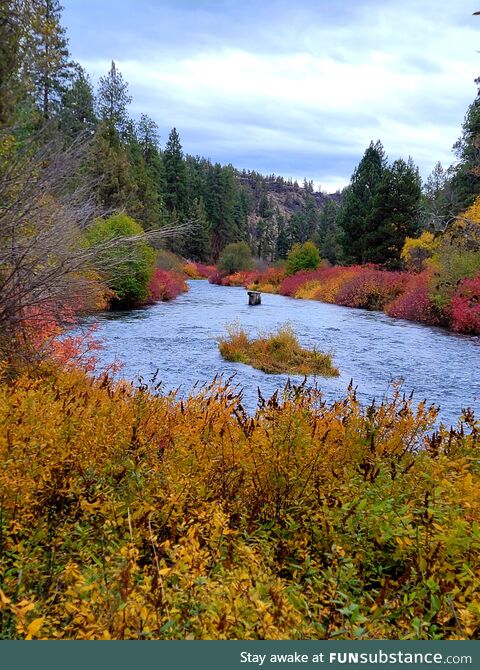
275	353
126	515
416	251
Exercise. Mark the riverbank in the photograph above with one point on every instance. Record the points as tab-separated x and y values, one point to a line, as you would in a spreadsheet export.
402	295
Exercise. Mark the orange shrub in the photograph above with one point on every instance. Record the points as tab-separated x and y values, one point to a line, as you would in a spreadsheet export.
198	270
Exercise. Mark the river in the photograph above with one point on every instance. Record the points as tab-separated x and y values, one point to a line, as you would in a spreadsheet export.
179	339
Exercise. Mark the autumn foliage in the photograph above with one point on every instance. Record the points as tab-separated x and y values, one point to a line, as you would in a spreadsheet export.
165	285
275	353
198	270
415	296
126	515
466	306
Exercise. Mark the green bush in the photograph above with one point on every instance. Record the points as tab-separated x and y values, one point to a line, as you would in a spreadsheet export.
302	257
235	257
127	266
450	266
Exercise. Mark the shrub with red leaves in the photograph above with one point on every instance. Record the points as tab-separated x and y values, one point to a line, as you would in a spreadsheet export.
205	271
415	304
372	289
43	337
217	278
291	285
466	307
165	285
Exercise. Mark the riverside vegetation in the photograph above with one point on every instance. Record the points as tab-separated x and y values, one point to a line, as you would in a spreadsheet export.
130	515
275	353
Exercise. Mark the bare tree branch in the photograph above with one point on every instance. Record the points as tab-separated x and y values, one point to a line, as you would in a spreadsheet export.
46	206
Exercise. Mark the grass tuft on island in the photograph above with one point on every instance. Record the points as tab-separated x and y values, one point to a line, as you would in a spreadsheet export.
275	353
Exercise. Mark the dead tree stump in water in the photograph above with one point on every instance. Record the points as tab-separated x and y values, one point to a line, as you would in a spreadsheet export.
254	298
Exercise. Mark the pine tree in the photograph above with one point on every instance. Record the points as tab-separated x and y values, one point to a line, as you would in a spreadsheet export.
221	200
147	134
354	214
12	30
240	214
50	67
265	239
312	216
175	196
110	166
297	230
196	171
113	100
146	207
111	159
437	198
327	236
282	245
394	215
264	206
196	242
466	179
77	113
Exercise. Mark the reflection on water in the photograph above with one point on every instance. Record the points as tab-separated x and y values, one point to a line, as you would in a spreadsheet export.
179	339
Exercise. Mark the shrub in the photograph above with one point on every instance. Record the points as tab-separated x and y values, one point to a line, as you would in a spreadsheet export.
216	278
372	289
267	281
333	279
322	284
198	270
205	270
276	353
127	515
238	279
291	284
416	251
449	266
165	285
126	268
235	257
302	257
415	303
465	308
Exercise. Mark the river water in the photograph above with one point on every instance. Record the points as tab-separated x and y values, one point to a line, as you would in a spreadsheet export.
179	338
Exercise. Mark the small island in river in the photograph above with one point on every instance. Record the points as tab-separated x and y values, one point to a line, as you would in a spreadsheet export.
275	353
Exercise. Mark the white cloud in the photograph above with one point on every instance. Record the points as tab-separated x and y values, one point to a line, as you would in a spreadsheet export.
401	73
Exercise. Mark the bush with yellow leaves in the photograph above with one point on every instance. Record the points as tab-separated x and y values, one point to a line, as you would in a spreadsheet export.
128	515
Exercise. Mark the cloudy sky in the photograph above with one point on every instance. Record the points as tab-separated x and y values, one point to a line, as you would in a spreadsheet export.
294	88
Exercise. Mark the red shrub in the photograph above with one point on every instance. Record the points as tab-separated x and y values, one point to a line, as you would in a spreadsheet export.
241	278
372	289
42	332
291	285
321	284
217	278
466	307
78	351
205	270
165	285
415	303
